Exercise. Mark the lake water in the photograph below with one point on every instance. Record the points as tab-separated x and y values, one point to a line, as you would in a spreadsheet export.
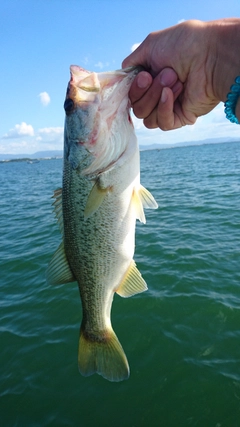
181	337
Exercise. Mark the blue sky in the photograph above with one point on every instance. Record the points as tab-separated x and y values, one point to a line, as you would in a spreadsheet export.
40	39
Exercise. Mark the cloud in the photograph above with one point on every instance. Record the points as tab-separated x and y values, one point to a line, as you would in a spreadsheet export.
212	125
101	65
51	130
85	60
19	130
135	46
22	139
50	136
44	98
181	21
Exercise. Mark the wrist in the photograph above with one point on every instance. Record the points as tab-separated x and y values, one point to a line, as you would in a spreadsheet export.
226	66
232	100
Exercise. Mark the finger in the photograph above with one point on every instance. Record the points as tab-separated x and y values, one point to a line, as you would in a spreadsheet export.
177	88
167	115
148	102
161	115
168	77
137	57
171	113
139	86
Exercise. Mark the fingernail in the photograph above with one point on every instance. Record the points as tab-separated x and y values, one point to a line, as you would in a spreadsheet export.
164	96
167	77
143	80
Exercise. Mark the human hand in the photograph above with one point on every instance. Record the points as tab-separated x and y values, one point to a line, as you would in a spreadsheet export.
201	55
153	99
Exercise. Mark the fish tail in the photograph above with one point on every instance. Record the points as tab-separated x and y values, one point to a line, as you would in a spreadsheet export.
103	355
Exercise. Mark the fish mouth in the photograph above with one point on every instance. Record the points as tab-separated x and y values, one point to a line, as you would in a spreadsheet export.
84	86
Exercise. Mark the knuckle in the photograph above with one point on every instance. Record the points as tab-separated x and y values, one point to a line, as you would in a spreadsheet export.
139	111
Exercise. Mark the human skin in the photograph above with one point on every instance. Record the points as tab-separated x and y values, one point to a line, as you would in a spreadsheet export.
189	69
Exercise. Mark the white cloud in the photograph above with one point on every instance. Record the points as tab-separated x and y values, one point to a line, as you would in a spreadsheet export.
212	125
50	134
22	138
99	64
51	130
49	138
44	98
135	46
181	20
19	130
86	60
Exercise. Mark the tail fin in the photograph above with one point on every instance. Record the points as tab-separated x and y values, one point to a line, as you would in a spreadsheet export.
103	355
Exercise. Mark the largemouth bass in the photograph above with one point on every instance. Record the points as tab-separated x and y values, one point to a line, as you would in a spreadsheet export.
97	207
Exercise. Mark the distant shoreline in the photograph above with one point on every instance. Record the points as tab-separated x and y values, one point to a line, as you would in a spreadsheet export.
29	160
58	154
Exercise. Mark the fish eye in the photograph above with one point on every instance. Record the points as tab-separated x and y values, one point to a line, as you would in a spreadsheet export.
68	105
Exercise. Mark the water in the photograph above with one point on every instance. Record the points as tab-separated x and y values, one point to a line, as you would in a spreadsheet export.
182	337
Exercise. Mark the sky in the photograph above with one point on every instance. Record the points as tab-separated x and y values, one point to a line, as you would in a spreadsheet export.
40	39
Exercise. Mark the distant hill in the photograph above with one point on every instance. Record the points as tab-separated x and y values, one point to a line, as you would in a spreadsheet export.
189	143
59	153
37	155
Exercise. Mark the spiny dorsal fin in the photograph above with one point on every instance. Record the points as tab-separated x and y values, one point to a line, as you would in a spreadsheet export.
132	282
58	271
95	199
57	195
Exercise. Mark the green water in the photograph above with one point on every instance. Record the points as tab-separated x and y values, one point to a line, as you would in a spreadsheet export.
182	337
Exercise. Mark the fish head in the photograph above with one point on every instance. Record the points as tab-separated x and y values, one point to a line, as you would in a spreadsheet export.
97	116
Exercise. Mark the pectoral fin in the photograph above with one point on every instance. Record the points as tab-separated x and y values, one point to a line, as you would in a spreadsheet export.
138	206
147	198
95	199
132	282
58	271
142	198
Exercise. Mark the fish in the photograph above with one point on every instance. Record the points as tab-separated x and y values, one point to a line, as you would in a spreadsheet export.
96	208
